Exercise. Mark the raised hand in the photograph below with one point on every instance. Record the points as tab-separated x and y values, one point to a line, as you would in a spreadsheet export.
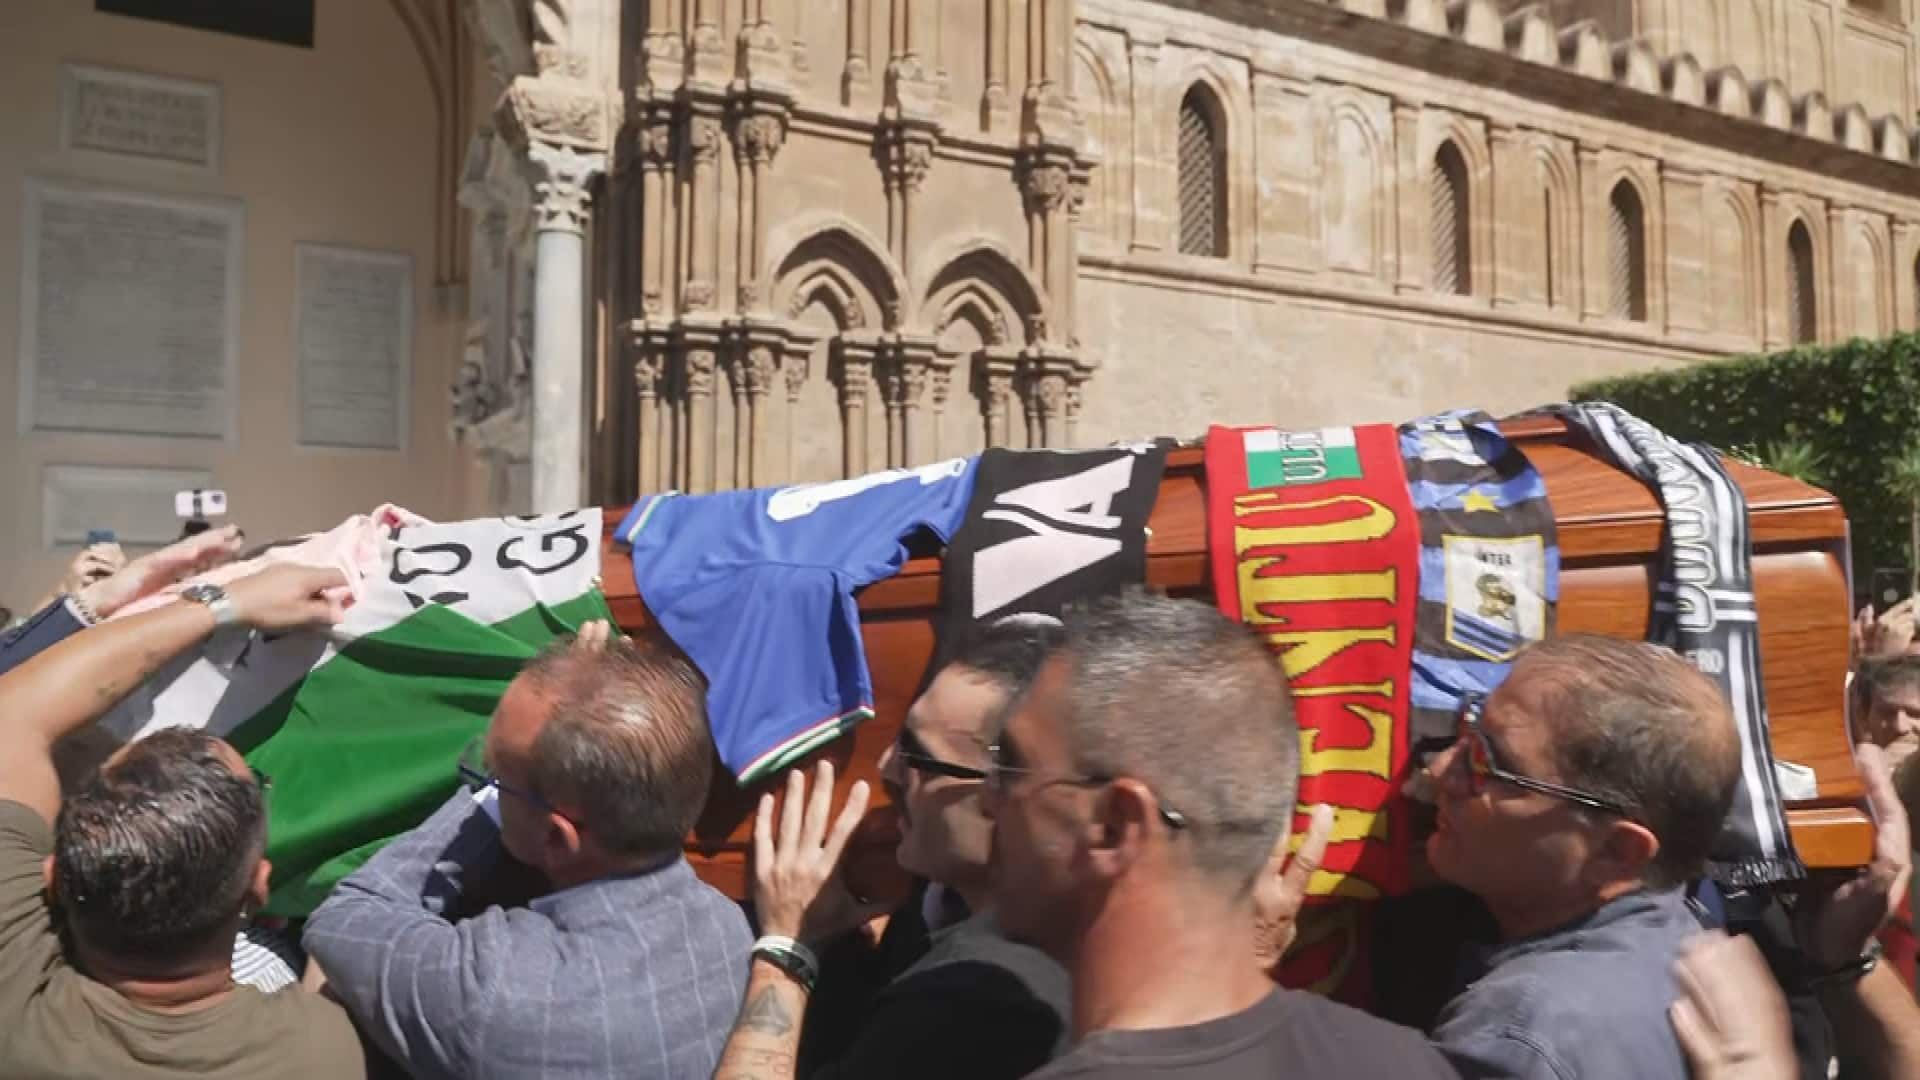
1730	1018
150	573
1282	889
797	890
1835	926
288	597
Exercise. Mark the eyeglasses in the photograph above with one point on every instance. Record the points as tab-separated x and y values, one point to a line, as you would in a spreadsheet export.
474	772
1003	767
1481	765
914	755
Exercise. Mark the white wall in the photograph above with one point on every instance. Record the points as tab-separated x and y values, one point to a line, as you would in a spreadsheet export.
329	145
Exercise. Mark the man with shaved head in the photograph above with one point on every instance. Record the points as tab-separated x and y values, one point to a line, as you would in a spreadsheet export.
1579	799
592	772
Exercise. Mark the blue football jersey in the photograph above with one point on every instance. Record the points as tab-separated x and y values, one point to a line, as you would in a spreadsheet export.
757	588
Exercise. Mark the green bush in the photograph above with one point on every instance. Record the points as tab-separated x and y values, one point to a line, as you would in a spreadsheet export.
1855	407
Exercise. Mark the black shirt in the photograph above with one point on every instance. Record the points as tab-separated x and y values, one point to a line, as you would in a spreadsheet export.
1287	1033
975	1007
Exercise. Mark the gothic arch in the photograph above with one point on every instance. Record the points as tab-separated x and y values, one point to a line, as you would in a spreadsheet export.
1733	226
982	272
1096	94
838	256
1558	179
1802	293
1225	84
1353	206
1643	185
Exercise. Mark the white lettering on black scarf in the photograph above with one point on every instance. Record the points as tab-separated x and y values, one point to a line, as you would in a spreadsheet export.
1704	608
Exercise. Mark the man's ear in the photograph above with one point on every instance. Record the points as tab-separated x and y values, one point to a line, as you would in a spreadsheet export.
563	840
1120	827
259	888
1626	848
46	874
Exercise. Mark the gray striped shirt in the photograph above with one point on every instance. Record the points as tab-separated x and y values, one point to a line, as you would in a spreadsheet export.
630	976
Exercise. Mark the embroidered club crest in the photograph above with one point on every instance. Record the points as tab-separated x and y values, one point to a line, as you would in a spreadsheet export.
1496	594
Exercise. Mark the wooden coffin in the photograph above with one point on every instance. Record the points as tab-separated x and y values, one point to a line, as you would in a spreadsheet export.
1609	533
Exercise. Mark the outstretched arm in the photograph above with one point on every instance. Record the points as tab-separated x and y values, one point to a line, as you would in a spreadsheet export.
78	680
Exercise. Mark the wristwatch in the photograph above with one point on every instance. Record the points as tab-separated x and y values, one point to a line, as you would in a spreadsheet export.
216	600
1850	972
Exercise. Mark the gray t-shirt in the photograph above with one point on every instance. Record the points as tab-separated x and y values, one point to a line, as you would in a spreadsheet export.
59	1023
1287	1033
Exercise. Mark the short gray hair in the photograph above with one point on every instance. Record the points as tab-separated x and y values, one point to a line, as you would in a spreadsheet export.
627	745
1637	724
1178	696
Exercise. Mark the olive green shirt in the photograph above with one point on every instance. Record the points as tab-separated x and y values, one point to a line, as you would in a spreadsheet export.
56	1022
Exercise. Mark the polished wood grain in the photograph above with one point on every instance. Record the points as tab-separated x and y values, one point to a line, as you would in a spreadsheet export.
1609	534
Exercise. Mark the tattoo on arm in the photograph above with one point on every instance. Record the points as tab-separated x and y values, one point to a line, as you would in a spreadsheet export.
765	1014
766	1039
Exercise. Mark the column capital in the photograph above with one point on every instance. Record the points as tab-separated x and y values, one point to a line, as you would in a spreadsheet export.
560	111
562	178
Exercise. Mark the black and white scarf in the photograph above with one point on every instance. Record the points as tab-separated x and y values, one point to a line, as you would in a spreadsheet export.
1704	609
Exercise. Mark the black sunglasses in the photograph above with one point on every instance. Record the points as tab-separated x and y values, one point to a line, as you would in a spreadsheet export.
914	754
1482	766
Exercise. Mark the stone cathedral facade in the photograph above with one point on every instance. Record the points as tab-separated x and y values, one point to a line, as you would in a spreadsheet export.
803	239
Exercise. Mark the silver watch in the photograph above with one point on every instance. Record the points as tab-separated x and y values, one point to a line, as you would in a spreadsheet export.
216	600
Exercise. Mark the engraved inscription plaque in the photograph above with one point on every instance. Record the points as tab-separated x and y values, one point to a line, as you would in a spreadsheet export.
354	337
129	312
176	121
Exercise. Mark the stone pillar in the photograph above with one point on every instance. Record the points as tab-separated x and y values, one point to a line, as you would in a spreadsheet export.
857	76
1154	180
649	369
856	379
906	154
996	106
997	405
941	379
561	177
758	133
657	215
761	367
799	355
1593	240
1047	186
703	210
698	347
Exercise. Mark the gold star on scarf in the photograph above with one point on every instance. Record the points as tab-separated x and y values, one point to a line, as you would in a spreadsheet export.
1474	502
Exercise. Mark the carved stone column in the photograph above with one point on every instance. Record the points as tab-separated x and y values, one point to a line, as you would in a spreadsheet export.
912	368
1051	397
1412	271
856	381
794	368
710	53
996	104
649	352
941	380
561	177
857	76
1046	182
703	210
996	404
905	152
657	188
759	130
740	461
698	348
762	366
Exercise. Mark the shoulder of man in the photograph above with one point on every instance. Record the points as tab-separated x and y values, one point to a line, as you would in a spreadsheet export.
1370	1041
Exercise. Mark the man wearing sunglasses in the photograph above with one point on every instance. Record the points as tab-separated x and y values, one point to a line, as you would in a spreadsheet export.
1576	803
966	1003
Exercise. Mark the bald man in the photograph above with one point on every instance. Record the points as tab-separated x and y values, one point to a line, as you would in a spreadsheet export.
1580	799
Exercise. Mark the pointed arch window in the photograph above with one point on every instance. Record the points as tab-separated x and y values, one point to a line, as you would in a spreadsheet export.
1452	236
1203	175
1802	301
1627	254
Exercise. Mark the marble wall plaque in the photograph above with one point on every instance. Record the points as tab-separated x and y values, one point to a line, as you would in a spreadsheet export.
176	121
135	502
354	339
129	312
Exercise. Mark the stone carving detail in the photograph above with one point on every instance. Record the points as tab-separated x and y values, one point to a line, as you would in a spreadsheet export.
760	369
545	112
648	370
700	370
656	142
703	139
796	371
553	40
697	295
1047	188
759	137
474	397
561	178
748	295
